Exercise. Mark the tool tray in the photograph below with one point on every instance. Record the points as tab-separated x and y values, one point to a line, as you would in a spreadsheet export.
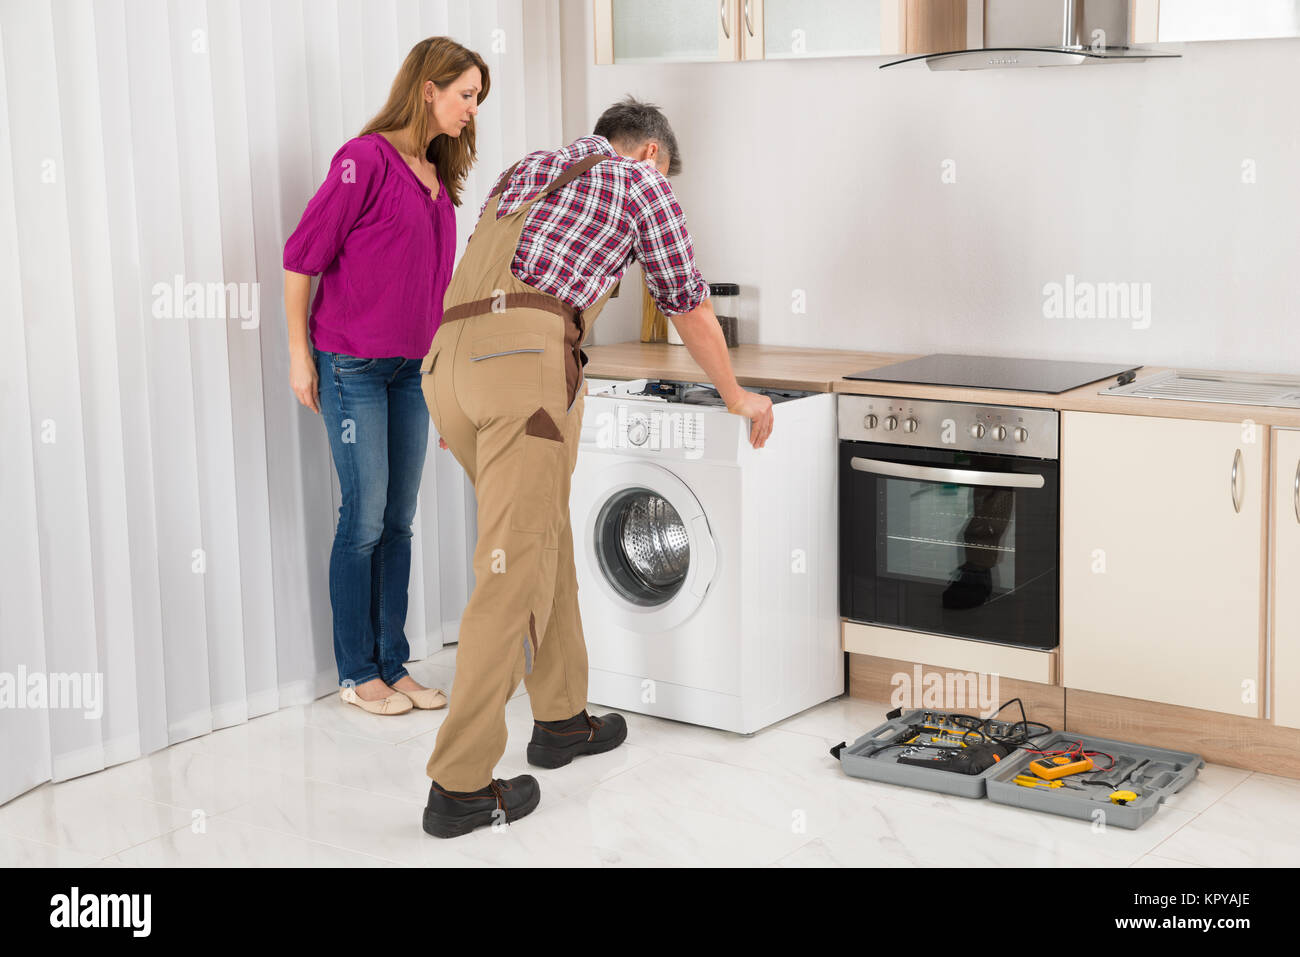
1165	772
863	759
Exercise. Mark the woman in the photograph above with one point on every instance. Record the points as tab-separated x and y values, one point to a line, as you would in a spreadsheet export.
381	233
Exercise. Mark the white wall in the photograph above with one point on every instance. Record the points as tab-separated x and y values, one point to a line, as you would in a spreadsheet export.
825	176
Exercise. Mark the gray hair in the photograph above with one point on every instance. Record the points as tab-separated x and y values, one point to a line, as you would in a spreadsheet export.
629	123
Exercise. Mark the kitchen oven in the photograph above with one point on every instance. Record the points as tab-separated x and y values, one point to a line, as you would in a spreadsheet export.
949	518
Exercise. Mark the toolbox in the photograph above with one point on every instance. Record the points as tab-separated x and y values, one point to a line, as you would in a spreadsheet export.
872	756
1149	774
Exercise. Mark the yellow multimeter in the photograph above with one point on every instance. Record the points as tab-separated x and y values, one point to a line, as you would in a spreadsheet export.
1060	765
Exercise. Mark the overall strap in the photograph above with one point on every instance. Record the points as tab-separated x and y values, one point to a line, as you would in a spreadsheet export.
572	172
569	174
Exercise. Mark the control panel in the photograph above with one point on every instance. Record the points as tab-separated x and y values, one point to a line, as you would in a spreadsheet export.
925	423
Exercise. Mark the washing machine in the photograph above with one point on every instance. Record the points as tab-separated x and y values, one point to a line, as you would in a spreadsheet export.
707	568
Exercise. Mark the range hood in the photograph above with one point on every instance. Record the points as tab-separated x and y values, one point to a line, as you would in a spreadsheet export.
1020	33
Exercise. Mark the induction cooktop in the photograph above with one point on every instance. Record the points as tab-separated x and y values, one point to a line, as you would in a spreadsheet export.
995	372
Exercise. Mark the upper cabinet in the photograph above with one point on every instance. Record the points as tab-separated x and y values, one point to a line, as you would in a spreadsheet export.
665	31
1170	21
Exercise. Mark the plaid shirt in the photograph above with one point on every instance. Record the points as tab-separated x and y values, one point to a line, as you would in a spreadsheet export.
577	242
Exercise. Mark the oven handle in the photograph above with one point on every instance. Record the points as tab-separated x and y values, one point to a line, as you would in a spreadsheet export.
929	473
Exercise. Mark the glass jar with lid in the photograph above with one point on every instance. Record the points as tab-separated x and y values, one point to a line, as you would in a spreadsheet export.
725	297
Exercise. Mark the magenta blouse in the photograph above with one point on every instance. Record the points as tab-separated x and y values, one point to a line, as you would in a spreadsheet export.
383	248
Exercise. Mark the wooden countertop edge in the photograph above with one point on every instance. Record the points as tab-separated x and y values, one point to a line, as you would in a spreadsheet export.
651	360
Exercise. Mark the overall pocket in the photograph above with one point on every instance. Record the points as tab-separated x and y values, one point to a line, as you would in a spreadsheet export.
507	360
536	508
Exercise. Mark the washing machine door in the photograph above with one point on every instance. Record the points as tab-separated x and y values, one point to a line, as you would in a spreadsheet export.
648	546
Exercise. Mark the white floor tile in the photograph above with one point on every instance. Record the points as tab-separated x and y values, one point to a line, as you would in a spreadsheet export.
284	743
978	833
1253	825
227	843
193	776
88	815
18	852
1155	860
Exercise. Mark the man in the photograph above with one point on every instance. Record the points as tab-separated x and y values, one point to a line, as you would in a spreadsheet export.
504	384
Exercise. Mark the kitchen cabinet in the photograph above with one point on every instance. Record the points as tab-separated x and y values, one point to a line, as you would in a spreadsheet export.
1286	577
666	31
1162	559
791	29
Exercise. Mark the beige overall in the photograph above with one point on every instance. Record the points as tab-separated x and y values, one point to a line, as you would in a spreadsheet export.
504	385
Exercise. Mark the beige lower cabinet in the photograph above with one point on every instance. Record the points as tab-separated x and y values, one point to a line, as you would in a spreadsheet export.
1162	559
1286	577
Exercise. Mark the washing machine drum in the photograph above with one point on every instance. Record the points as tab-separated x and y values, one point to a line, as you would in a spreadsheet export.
642	546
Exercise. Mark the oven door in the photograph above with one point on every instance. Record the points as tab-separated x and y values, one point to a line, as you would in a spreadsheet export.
950	543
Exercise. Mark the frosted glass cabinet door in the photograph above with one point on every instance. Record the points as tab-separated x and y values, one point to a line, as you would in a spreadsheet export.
815	28
666	31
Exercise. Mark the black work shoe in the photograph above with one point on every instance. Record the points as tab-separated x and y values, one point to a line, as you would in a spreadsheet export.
453	813
556	743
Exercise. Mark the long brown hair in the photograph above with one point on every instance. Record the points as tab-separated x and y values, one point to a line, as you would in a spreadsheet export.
441	60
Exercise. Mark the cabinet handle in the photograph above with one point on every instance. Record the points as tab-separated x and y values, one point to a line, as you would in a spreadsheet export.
722	16
1236	467
1295	494
749	23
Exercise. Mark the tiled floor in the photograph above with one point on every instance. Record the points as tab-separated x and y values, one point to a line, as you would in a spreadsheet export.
327	784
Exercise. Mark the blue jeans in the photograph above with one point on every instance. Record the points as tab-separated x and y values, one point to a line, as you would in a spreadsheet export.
378	425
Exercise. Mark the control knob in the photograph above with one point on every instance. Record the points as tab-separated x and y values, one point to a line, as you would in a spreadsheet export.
1020	434
977	430
638	431
999	432
909	425
870	421
891	423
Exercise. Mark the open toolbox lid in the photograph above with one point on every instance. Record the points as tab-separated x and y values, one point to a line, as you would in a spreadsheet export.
1152	774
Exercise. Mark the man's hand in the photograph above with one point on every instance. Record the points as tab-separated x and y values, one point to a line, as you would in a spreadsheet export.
703	339
758	409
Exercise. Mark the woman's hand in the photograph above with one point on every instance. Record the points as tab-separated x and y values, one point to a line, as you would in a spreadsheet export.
304	381
442	443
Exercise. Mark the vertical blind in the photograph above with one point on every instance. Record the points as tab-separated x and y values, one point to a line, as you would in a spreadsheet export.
166	505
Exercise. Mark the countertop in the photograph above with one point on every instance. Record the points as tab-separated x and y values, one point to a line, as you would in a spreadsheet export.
822	370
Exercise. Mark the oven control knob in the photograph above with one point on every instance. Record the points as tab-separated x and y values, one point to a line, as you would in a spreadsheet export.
1020	434
870	421
909	425
891	423
977	430
999	432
